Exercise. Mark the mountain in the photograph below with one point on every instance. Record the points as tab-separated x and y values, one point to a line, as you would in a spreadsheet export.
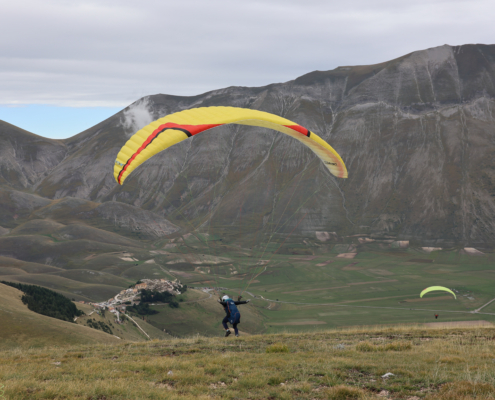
417	135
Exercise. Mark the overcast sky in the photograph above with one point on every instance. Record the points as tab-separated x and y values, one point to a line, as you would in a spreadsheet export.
100	56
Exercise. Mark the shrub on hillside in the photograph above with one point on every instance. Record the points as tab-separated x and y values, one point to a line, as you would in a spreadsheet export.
99	325
173	304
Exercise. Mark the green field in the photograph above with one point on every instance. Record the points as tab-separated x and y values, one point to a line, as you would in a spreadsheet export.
296	283
377	286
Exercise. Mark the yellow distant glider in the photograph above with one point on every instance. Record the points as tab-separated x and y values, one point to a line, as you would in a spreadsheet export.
433	288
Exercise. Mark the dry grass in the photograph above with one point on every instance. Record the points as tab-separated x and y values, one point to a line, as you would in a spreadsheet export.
436	364
393	346
465	390
277	348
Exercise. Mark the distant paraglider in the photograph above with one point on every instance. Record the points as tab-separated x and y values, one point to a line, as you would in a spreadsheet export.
174	128
436	288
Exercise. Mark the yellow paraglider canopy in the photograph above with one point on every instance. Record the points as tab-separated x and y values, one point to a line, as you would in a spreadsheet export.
434	288
174	128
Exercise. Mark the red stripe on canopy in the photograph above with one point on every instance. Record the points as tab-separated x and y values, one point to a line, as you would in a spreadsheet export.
298	128
191	129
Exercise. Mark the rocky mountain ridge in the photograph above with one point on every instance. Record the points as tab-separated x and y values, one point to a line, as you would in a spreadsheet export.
417	135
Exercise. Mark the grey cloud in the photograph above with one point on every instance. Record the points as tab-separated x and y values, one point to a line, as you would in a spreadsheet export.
105	52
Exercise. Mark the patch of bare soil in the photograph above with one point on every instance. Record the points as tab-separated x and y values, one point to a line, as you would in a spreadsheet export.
347	255
325	263
159	252
430	249
471	251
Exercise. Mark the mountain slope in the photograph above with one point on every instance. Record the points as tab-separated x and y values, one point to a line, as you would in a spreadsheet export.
26	158
417	134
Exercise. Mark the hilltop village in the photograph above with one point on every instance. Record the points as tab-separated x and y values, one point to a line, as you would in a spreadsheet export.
131	296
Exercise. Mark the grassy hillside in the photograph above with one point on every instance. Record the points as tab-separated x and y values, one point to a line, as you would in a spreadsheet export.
22	327
426	363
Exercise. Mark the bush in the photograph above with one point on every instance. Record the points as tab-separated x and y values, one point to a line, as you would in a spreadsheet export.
173	304
99	325
277	348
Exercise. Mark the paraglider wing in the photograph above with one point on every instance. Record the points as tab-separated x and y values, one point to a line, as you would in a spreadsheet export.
174	128
434	288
